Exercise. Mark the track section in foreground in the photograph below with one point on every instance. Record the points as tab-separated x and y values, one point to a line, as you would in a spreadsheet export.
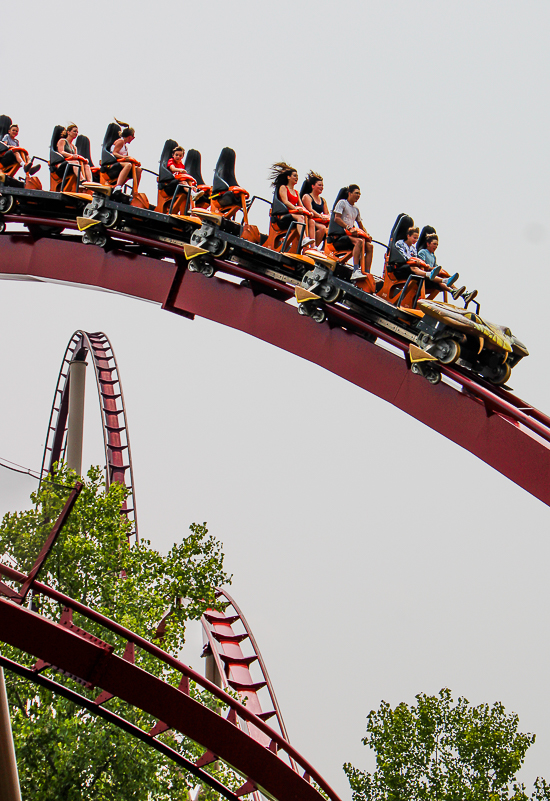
63	646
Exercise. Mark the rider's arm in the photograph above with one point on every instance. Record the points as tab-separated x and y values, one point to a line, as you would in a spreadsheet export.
283	197
339	221
306	201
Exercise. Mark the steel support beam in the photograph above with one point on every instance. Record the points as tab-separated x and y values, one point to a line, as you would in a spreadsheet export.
75	432
9	778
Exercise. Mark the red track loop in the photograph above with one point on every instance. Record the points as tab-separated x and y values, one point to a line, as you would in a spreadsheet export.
490	422
225	645
73	650
118	456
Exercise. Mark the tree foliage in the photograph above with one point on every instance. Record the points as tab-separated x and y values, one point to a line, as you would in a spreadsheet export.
439	750
63	751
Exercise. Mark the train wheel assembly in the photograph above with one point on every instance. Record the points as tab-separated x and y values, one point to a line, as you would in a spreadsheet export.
448	351
500	375
6	204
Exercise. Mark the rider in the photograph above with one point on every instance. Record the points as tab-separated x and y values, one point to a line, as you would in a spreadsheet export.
408	246
66	147
175	163
427	254
310	194
124	168
10	139
348	217
284	179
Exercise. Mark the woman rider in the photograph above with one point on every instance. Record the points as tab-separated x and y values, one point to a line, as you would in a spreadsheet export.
66	147
310	194
284	179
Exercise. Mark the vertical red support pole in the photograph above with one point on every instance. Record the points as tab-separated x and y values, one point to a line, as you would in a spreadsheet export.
9	778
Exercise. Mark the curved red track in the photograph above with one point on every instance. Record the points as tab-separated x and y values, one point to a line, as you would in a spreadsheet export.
69	648
116	437
490	422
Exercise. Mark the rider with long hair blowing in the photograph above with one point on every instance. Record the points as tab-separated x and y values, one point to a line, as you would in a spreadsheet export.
310	194
283	179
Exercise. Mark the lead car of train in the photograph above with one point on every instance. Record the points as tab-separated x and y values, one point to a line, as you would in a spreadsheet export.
210	223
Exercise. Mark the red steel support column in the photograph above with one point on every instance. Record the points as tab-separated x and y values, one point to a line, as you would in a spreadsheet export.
9	778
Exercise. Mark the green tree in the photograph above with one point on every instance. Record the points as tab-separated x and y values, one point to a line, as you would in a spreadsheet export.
63	751
439	750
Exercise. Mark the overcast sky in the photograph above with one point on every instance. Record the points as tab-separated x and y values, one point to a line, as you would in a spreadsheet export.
373	558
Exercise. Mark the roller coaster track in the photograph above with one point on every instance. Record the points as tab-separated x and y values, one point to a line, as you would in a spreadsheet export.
224	642
238	736
490	422
116	438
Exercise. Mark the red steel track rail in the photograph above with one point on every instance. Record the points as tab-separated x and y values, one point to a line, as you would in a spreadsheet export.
492	423
225	644
116	438
75	651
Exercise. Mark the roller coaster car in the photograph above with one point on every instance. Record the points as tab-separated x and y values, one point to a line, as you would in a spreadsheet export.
34	203
173	193
193	167
62	174
27	198
244	244
227	197
104	213
453	334
9	165
284	238
403	291
111	166
437	332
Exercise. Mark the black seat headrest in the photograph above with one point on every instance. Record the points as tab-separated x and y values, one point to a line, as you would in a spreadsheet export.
224	174
426	231
164	173
55	157
342	195
5	124
193	166
111	135
277	205
83	148
398	232
333	227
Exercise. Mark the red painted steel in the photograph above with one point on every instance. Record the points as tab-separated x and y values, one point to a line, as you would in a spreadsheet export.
490	422
116	720
94	662
116	437
226	646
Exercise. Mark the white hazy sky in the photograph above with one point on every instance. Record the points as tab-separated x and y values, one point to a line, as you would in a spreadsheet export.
373	558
